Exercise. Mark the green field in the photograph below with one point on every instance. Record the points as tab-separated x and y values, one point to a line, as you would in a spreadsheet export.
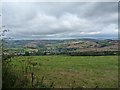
67	71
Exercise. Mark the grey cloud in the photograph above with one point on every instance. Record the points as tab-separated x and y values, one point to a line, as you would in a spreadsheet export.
60	20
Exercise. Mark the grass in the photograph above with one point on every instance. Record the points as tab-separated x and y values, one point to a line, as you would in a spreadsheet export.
71	71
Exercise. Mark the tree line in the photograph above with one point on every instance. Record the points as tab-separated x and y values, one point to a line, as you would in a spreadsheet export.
89	53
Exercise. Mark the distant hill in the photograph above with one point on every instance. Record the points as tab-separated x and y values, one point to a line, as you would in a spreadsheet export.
71	45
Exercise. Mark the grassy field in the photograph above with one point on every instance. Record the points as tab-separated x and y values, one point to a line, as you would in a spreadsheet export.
68	71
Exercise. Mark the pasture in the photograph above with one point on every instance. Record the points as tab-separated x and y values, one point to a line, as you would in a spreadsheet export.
65	71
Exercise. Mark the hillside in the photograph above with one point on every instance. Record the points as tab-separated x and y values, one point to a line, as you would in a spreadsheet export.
61	46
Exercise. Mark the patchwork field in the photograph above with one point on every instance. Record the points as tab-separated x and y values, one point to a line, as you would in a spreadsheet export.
65	71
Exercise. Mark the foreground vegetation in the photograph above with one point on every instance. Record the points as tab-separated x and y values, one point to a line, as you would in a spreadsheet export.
61	71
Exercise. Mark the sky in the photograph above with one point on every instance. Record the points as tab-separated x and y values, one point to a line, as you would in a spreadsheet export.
60	20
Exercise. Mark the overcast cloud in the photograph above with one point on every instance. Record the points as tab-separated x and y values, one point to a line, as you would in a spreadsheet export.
59	20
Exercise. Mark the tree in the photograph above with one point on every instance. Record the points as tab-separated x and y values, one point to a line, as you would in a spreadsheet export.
27	53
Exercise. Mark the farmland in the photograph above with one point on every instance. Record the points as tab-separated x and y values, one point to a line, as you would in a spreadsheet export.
74	63
60	71
74	47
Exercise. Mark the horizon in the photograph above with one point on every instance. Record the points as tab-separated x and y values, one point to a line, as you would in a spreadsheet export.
70	39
